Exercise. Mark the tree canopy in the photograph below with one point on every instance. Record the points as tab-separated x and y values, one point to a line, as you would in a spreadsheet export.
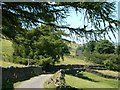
90	46
43	45
17	17
105	46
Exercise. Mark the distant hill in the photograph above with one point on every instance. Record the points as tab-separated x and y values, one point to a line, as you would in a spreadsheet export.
72	46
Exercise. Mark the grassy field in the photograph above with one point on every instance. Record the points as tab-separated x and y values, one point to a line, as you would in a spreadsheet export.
73	60
9	64
48	86
109	72
89	80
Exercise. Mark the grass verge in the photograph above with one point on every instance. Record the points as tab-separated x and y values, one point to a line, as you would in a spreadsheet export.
9	64
89	80
109	72
49	86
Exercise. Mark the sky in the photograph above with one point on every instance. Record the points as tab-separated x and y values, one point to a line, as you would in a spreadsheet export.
76	20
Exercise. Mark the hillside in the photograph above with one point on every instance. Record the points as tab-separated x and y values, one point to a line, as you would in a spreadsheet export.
7	50
72	46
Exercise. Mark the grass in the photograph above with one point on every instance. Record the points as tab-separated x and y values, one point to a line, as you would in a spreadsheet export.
108	72
9	64
6	46
73	60
6	49
6	53
92	81
50	85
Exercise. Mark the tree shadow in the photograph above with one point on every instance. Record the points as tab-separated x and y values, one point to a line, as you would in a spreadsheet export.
78	73
53	69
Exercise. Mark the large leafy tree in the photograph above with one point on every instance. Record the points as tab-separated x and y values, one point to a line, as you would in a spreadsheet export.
43	45
104	46
90	46
19	16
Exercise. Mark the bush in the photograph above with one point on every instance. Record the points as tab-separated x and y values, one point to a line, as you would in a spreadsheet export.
20	60
111	61
44	61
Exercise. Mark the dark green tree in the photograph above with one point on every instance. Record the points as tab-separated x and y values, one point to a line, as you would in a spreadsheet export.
90	46
43	45
104	46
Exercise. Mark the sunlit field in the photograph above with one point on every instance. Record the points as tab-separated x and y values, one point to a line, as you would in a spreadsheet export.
89	80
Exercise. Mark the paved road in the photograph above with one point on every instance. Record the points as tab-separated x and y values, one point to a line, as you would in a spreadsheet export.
35	82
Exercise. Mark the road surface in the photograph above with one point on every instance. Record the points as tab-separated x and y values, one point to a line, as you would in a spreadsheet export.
35	82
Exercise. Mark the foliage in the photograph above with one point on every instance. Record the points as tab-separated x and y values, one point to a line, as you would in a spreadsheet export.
118	50
102	52
42	43
20	60
112	64
101	46
66	50
105	46
19	16
90	46
110	61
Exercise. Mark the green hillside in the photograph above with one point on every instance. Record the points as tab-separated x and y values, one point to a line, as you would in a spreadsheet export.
73	46
7	50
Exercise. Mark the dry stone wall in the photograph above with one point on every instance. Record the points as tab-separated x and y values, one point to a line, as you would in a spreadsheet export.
17	74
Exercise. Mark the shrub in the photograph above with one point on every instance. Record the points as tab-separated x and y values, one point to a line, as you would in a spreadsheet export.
111	61
20	60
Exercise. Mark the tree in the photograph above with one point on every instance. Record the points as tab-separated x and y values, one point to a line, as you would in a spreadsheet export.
118	50
90	46
19	16
43	45
105	46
